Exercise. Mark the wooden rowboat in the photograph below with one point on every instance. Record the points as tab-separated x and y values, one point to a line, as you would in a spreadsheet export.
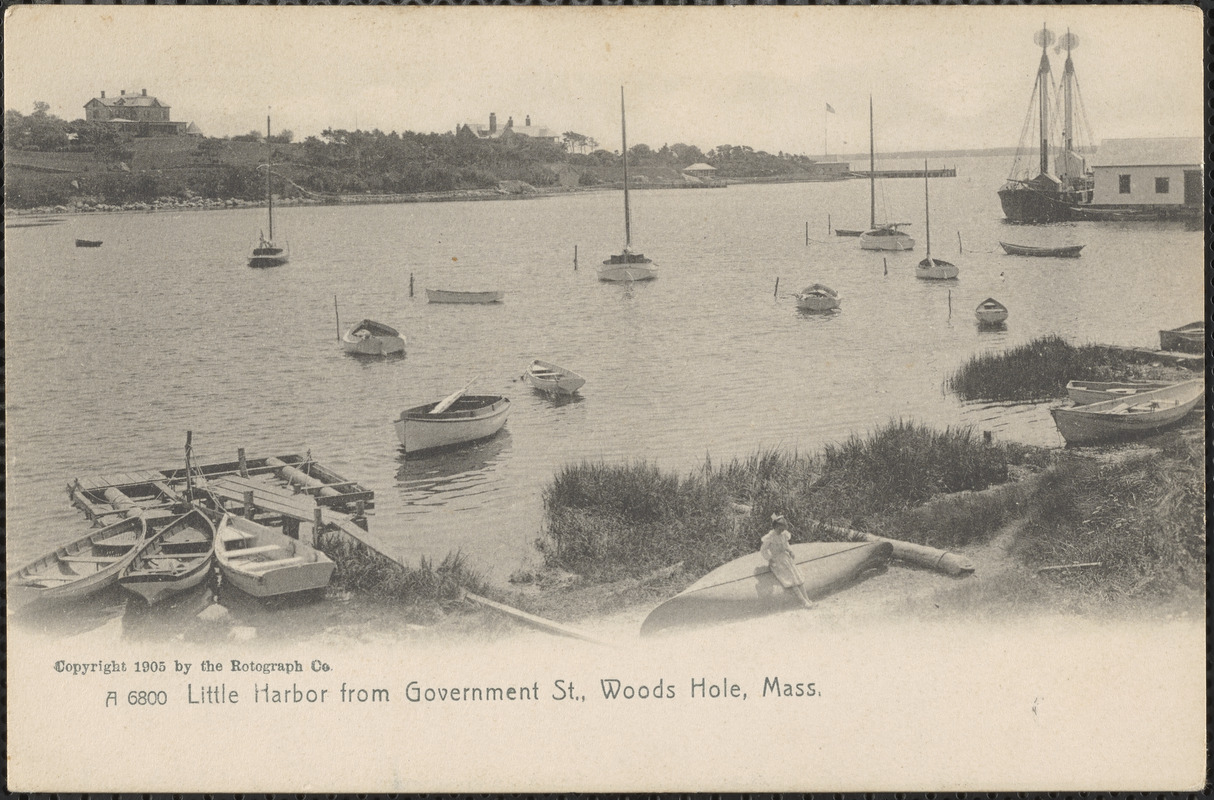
457	420
370	338
746	588
1069	251
847	232
1189	338
1085	392
1137	415
263	562
88	243
86	565
174	560
818	298
990	312
444	296
548	377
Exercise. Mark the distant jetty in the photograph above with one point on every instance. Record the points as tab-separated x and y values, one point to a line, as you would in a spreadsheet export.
947	172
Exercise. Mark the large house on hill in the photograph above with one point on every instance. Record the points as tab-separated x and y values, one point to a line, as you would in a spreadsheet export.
491	131
137	115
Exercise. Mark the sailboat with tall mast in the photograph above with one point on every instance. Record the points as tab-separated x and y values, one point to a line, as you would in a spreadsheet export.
266	253
936	269
1049	196
627	266
887	235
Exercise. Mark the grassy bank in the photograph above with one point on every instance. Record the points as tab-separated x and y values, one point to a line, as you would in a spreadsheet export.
1041	369
361	569
606	522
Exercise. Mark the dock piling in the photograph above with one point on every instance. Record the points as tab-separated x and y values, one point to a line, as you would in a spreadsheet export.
248	504
960	249
410	284
807	234
244	465
885	264
776	292
575	258
317	524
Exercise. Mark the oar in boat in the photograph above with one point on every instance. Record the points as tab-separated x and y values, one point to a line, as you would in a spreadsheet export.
448	401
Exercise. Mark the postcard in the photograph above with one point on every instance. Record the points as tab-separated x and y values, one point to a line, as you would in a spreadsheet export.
514	399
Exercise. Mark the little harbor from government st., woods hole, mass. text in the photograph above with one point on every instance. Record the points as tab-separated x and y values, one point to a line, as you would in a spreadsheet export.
490	380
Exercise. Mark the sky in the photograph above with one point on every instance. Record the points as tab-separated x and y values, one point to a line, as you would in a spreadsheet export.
940	77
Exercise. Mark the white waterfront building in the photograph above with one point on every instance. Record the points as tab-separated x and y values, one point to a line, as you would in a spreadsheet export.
1148	172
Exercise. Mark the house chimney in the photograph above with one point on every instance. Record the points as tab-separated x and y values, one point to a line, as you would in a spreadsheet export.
510	122
528	123
492	122
145	92
103	94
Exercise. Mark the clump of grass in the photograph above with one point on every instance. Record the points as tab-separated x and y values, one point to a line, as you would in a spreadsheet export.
1038	370
361	569
1142	519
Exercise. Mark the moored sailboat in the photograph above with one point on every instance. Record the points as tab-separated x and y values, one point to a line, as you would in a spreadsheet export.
266	253
932	268
627	265
1049	196
888	235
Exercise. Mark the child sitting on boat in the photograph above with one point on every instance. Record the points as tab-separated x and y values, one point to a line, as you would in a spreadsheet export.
779	556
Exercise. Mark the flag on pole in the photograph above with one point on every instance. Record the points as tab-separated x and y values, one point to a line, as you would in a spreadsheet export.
830	108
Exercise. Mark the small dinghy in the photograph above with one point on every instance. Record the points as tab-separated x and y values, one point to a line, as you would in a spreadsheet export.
446	296
88	243
173	560
455	420
371	338
263	562
1069	251
1138	415
991	312
1084	392
548	377
817	298
746	588
87	565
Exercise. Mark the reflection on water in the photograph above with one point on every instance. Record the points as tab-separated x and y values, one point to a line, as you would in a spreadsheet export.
453	476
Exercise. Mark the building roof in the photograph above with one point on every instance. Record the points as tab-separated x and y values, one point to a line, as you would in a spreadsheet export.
1169	151
699	167
127	100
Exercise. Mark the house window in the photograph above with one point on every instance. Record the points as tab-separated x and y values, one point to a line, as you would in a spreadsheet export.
1123	184
1161	186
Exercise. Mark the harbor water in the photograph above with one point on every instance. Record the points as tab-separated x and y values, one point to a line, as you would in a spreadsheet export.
115	352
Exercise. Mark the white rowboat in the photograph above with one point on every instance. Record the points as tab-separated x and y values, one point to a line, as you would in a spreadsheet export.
1085	392
548	377
263	562
1137	415
445	296
467	418
86	565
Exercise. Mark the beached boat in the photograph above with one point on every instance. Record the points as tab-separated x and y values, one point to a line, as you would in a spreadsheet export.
445	296
1189	338
86	565
1137	415
370	338
934	269
176	558
455	420
627	266
88	243
887	236
746	588
1048	195
991	312
1068	251
266	253
1085	392
548	377
818	298
264	562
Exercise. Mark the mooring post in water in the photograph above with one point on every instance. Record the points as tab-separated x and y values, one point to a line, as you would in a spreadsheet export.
776	292
950	303
317	523
885	265
960	249
807	233
410	284
828	228
244	466
575	258
248	504
189	473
